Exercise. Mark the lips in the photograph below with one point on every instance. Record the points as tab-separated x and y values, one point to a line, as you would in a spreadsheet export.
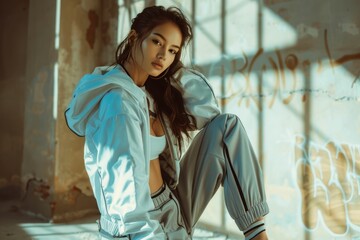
157	65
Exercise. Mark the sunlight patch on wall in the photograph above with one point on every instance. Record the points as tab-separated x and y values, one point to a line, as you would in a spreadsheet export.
243	20
241	31
123	21
127	11
277	33
56	47
57	24
207	30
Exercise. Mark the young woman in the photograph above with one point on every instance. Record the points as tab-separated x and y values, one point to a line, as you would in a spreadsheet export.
136	116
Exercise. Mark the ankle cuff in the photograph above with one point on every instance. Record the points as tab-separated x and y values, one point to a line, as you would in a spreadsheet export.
256	228
255	233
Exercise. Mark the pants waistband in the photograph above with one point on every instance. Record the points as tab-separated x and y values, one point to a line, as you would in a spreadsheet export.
107	226
162	197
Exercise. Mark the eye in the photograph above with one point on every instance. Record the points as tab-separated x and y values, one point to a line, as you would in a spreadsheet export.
172	51
156	42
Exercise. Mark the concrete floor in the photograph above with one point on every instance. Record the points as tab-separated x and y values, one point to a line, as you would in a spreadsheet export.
15	226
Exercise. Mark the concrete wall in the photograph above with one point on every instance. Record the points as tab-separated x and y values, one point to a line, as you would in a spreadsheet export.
290	70
88	38
46	46
39	125
13	47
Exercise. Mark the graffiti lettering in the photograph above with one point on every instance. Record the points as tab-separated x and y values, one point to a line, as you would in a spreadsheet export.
328	178
284	87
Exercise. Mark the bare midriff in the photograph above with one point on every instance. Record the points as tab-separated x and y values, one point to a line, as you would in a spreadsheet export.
155	178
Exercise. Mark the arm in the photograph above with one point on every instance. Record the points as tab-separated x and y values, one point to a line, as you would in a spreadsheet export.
124	171
198	96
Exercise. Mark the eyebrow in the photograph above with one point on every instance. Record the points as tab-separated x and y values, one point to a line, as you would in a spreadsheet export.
161	36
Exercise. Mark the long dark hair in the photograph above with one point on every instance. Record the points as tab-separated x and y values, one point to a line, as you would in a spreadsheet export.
168	99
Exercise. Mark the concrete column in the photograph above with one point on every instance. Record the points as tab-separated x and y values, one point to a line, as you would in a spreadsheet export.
67	39
13	32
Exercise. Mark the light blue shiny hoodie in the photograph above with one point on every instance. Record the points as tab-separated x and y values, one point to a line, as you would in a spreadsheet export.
111	112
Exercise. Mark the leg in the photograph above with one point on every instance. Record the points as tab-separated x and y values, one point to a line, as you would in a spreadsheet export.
222	154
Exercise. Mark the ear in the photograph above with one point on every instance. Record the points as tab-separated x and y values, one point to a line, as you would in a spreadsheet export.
132	36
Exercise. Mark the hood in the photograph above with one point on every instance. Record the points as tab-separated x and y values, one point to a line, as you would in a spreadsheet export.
91	89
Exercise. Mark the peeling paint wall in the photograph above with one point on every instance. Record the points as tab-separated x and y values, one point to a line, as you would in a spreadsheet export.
13	32
88	38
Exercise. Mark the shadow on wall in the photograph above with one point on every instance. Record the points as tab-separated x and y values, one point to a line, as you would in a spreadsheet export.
301	62
317	47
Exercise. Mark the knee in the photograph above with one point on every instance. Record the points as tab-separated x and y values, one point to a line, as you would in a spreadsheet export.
223	123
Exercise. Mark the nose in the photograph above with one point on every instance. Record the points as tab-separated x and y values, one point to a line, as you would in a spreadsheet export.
161	54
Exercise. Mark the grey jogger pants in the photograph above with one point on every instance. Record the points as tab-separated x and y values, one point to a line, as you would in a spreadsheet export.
221	153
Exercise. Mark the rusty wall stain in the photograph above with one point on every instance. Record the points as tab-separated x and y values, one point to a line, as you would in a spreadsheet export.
37	187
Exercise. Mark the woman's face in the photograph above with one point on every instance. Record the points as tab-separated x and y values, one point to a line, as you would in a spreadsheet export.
158	49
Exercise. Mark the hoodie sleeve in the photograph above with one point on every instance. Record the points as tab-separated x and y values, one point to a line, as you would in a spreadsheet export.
199	98
123	169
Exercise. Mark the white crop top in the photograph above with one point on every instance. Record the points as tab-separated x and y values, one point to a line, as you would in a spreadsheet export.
157	143
157	146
